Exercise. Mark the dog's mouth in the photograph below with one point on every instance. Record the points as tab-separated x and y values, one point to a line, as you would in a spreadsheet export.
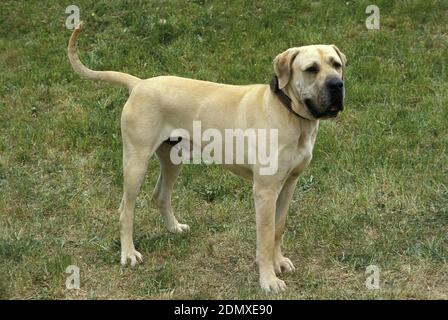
312	108
333	111
330	112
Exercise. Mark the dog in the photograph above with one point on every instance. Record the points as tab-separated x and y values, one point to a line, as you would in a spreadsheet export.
308	86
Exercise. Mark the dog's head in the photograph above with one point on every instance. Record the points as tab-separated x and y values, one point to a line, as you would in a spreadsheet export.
313	74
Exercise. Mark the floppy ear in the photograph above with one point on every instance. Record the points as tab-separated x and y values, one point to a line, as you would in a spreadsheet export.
282	66
340	54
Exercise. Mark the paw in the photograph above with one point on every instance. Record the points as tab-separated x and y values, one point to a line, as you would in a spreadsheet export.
133	255
179	228
272	284
283	264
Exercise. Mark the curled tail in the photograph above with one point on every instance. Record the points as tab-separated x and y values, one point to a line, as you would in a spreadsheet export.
113	77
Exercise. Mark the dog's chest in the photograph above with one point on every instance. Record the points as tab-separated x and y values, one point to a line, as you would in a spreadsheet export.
302	159
303	152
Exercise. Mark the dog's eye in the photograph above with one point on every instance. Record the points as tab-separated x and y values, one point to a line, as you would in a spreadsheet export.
312	69
337	65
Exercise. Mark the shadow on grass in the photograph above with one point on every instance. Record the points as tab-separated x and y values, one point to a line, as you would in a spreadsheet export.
178	245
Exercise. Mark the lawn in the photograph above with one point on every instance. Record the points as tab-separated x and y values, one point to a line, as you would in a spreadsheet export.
375	193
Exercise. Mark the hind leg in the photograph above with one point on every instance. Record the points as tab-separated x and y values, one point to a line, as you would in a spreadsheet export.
163	190
138	146
134	169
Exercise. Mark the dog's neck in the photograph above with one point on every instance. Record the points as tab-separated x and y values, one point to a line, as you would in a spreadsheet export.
285	100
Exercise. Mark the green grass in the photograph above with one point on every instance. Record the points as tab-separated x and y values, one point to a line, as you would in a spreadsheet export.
376	191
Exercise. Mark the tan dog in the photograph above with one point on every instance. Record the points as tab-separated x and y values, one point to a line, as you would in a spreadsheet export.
310	76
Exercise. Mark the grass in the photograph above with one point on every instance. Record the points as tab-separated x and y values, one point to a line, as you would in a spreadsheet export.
376	191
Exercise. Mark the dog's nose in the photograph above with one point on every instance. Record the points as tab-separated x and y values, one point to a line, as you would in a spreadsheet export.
335	83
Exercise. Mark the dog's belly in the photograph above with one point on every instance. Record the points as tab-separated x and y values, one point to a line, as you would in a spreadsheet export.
240	170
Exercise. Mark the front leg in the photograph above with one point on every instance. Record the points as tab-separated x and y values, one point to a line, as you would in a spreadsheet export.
265	197
281	263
